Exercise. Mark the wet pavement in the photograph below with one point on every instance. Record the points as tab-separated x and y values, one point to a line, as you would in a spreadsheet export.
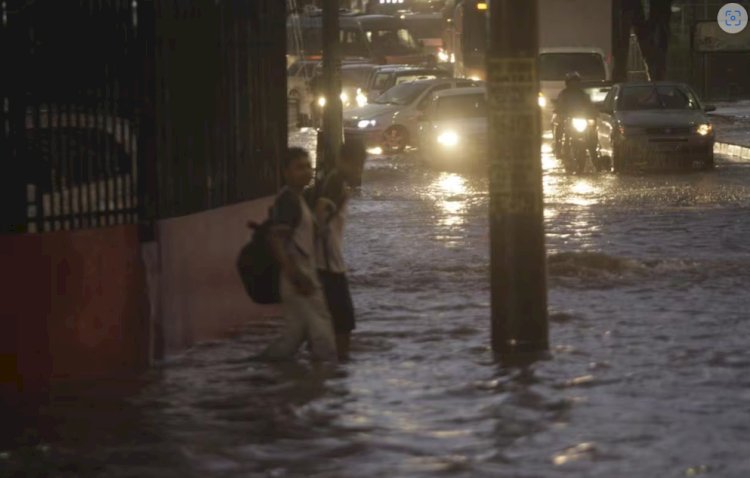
648	278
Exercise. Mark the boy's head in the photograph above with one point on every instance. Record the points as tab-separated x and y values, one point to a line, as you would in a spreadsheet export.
352	161
297	168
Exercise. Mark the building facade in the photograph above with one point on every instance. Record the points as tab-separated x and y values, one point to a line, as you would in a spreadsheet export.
716	64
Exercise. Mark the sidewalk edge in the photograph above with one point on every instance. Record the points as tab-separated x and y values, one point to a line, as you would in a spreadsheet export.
736	151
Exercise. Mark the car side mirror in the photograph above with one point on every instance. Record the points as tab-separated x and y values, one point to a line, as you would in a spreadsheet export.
708	108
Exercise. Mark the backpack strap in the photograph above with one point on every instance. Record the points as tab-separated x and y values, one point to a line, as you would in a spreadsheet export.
296	216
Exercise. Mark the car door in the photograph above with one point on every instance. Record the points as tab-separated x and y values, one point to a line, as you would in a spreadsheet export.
409	116
606	122
424	123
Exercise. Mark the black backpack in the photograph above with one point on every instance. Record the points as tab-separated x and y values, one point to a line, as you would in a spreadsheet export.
258	268
256	264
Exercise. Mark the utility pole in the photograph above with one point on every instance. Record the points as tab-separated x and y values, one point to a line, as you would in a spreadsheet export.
332	112
517	256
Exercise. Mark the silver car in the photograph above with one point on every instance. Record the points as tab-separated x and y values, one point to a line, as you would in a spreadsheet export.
391	120
388	76
655	125
453	129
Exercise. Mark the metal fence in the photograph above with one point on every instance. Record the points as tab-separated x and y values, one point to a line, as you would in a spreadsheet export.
124	111
221	103
70	119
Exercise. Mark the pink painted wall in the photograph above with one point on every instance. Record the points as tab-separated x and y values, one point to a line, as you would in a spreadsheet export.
200	294
74	305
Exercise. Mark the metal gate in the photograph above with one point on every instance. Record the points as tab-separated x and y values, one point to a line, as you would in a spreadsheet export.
125	111
72	86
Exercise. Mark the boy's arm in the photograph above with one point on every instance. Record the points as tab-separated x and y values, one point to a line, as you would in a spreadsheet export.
333	195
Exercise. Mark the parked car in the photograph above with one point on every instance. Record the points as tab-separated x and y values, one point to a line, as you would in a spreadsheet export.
386	77
655	125
453	128
68	146
390	121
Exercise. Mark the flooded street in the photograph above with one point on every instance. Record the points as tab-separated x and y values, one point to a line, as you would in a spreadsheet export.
648	376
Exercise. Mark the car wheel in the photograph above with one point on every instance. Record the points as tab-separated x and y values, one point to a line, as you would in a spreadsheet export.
395	139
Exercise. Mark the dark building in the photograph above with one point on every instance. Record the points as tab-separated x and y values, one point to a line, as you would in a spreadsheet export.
716	63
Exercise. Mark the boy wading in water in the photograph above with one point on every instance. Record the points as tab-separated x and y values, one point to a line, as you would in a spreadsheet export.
306	316
330	211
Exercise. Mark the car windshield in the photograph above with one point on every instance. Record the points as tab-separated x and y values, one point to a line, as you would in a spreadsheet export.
635	98
402	94
415	77
461	107
554	66
392	42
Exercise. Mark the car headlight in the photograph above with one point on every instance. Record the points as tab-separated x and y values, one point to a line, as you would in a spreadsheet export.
443	56
580	124
366	124
322	101
704	129
542	101
344	98
448	138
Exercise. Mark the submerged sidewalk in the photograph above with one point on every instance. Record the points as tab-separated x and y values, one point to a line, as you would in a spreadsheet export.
732	125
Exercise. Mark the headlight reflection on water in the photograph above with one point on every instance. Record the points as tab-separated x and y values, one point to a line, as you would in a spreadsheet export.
449	193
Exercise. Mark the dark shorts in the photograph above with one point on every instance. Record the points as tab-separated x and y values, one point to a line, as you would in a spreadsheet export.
339	299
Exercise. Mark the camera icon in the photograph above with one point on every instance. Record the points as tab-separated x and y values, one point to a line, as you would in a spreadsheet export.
732	18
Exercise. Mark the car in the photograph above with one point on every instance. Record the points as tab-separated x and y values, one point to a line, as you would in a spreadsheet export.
655	125
453	128
391	120
385	77
72	150
354	77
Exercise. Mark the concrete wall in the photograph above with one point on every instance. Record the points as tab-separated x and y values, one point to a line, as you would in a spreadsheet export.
75	304
193	275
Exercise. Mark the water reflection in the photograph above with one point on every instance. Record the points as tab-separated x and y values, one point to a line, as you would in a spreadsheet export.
449	191
578	452
451	183
583	192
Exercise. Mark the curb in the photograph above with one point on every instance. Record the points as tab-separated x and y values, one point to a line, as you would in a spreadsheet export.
736	151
